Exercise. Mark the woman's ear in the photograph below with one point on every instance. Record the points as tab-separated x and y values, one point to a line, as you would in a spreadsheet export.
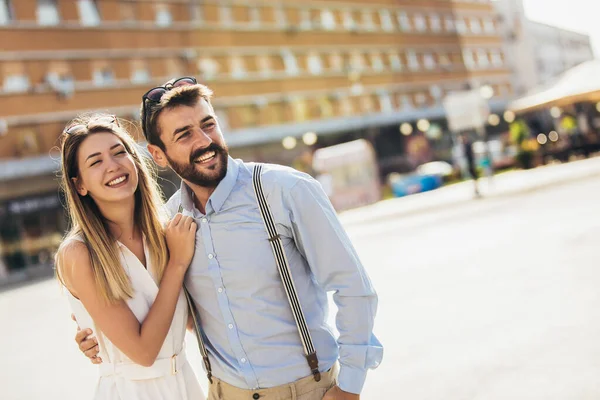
79	186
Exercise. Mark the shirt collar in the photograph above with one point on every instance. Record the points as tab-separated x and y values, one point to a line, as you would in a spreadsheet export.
221	193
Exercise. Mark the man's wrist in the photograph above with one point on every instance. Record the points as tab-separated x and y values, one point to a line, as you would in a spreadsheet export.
351	379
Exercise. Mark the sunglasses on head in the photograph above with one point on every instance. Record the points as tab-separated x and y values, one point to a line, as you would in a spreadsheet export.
108	120
155	94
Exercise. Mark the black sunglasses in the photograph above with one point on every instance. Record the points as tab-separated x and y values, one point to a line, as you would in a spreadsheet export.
108	120
155	94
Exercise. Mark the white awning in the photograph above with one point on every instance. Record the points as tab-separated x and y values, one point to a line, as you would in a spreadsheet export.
580	83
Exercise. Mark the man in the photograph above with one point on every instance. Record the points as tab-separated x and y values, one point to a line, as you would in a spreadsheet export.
251	336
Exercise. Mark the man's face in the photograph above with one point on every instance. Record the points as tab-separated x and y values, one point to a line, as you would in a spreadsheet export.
194	145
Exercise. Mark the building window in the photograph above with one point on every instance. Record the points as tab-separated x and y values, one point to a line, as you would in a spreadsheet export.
5	12
420	23
413	61
315	66
324	106
421	99
290	62
327	20
208	68
497	59
366	103
469	59
449	23
435	23
103	76
385	102
163	16
386	20
16	83
461	26
47	13
139	71
305	19
357	61
395	61
280	17
405	102
88	12
377	62
299	108
195	12
368	21
263	62
237	67
488	25
255	20
345	106
482	59
336	62
436	92
226	16
429	61
349	22
404	21
475	26
60	79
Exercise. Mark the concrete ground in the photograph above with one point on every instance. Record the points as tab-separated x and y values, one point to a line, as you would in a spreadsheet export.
489	299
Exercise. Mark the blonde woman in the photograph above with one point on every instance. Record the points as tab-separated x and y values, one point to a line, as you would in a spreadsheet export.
115	263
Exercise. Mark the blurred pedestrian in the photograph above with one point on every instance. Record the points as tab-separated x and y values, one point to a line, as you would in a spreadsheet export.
265	259
469	154
122	270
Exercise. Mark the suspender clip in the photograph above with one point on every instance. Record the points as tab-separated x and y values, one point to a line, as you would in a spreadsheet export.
313	363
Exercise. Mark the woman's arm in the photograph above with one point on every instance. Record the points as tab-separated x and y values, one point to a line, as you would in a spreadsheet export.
140	342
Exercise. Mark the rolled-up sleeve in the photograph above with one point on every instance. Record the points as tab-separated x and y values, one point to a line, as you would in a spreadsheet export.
322	240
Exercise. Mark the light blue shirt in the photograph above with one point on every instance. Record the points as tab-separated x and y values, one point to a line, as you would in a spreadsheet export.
250	333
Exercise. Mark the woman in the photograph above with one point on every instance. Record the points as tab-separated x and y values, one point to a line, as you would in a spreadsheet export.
115	264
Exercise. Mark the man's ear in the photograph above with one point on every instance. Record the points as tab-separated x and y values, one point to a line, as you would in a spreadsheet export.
79	186
158	155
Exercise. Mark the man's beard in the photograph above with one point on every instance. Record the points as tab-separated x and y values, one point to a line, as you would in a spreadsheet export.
188	172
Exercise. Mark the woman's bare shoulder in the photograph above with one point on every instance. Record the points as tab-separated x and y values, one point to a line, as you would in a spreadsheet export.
74	263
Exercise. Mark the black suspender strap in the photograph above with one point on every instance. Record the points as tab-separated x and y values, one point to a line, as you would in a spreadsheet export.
197	328
198	332
285	273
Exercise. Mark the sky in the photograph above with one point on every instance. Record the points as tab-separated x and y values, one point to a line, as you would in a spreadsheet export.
577	15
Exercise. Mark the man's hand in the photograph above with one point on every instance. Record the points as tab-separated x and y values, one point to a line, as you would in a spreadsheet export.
89	347
335	393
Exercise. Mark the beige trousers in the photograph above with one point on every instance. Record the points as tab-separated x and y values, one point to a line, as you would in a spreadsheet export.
303	389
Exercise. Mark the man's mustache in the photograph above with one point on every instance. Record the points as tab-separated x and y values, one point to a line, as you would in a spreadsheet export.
200	152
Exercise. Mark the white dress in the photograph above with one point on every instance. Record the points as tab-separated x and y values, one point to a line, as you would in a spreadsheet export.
170	377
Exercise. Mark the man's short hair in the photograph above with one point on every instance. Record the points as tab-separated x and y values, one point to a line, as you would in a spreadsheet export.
188	95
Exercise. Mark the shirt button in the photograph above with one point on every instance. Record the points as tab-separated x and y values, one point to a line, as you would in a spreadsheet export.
220	290
204	220
256	396
243	360
230	326
211	256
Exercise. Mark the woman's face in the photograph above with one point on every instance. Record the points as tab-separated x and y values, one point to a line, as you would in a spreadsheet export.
107	172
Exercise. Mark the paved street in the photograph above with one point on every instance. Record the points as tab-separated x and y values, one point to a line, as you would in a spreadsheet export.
486	300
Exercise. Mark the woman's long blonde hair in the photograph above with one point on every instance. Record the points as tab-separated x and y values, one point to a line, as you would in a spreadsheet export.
86	221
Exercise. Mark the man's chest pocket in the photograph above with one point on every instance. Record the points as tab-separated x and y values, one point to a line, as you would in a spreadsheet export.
247	249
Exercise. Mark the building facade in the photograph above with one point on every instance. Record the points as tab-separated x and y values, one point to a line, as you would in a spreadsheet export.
536	52
337	69
557	50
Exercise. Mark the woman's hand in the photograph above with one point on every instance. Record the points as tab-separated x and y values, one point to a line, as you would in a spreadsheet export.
180	234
